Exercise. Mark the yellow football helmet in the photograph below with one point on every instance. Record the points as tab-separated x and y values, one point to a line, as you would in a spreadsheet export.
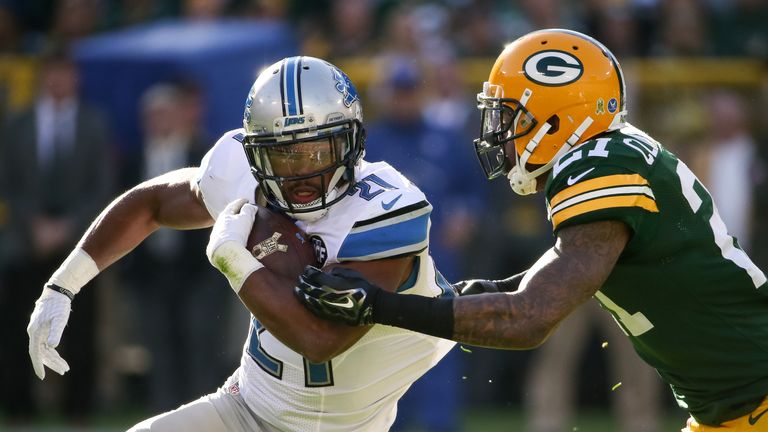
548	91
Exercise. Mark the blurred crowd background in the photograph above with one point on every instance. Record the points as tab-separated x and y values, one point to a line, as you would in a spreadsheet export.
98	95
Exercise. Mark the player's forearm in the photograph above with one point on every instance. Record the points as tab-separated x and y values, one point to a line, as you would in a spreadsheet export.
271	300
490	320
507	321
120	227
559	282
522	319
163	201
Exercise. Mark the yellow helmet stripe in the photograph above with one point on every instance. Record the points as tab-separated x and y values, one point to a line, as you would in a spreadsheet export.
597	183
604	203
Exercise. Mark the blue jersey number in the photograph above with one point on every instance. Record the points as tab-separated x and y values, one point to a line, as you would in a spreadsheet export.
370	187
315	374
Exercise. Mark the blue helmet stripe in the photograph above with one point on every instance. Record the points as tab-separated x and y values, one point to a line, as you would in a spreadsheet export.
291	101
282	86
298	86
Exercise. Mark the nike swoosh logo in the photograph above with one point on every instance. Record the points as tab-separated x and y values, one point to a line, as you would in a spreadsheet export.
571	179
387	206
347	304
751	420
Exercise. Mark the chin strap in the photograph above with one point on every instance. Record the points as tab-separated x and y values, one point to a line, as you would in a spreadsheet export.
523	182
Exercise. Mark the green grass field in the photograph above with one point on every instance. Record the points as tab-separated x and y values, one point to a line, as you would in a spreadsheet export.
590	421
476	420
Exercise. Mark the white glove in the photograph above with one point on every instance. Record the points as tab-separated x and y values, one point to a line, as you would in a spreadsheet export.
226	248
45	328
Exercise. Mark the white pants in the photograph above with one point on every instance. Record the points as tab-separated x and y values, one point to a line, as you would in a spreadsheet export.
222	411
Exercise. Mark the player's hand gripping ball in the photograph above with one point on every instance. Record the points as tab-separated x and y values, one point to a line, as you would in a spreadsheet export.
280	245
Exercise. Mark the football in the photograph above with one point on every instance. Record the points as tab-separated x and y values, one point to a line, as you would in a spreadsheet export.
279	244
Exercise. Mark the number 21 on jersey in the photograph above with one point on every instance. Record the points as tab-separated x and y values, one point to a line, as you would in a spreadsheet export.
315	374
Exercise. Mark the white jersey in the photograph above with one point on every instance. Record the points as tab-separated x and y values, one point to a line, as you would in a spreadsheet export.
384	216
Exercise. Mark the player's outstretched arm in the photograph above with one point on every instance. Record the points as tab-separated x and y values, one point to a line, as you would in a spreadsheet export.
561	280
168	200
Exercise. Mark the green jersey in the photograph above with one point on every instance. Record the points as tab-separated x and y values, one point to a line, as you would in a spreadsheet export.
692	302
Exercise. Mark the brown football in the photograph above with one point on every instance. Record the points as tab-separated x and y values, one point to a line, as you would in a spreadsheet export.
279	244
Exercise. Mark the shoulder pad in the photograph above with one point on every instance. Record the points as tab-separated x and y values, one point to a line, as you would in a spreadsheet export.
392	216
610	172
224	174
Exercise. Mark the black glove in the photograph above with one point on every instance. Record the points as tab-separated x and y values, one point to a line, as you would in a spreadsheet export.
475	286
482	286
341	295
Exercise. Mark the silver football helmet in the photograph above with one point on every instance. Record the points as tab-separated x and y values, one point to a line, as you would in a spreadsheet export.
303	135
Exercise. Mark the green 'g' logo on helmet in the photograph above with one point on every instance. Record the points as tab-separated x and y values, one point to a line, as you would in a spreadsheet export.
553	68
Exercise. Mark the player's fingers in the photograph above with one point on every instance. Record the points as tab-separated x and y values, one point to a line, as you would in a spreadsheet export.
53	360
468	287
313	281
235	206
39	369
310	302
309	271
35	344
249	210
319	308
302	294
32	326
298	293
304	285
37	362
326	281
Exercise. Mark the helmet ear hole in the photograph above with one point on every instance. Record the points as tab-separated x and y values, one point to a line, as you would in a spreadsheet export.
554	123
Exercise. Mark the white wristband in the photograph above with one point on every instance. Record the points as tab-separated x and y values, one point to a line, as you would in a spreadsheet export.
235	262
76	271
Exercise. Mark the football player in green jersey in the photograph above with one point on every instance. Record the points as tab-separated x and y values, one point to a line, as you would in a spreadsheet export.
634	229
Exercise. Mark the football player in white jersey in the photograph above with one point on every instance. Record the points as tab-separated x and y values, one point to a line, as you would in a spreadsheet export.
300	151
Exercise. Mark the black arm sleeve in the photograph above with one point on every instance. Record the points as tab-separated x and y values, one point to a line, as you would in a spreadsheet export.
432	316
